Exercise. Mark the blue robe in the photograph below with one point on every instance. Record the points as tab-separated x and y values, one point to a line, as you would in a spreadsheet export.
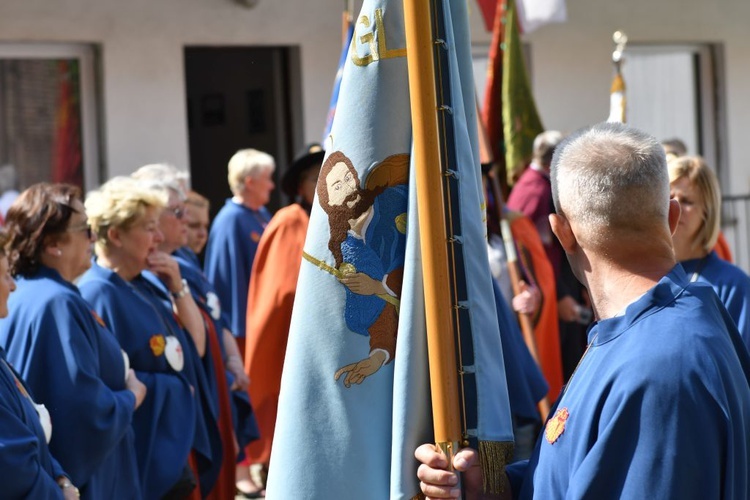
166	421
245	425
658	407
526	384
186	254
74	366
232	242
200	372
730	283
27	469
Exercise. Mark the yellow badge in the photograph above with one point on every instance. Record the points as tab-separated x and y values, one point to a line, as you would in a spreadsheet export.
255	236
98	319
346	269
21	388
157	344
556	425
401	223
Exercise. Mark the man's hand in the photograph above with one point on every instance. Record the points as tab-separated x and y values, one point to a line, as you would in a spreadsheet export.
438	482
528	300
359	371
567	309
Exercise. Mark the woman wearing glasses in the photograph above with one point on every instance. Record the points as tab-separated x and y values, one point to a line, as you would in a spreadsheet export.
63	350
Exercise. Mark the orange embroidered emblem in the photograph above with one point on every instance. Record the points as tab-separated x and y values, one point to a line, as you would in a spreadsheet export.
255	236
98	319
157	344
21	388
556	425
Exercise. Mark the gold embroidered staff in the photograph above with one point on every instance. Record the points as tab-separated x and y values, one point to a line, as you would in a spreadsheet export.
342	272
444	387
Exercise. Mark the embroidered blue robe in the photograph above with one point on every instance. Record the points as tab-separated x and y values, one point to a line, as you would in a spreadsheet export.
74	366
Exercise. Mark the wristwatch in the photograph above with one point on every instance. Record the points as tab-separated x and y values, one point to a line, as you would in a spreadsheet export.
183	291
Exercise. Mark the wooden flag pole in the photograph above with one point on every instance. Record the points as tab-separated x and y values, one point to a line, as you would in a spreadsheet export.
429	178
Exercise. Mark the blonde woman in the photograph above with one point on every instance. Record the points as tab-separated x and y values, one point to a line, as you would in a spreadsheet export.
124	218
694	185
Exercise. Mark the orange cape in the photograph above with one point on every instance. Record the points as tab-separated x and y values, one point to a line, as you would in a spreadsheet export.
269	312
546	329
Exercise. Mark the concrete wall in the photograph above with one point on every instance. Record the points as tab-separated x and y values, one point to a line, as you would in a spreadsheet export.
143	90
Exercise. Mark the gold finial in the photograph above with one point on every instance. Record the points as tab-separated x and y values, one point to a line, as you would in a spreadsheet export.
621	40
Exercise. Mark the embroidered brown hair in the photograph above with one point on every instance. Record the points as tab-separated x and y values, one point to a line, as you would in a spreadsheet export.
340	215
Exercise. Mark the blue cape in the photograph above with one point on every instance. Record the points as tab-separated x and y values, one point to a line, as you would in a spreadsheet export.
27	470
168	415
74	366
730	283
245	425
232	243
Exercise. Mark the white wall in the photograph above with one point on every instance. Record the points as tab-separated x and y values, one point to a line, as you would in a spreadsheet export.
572	70
142	41
142	58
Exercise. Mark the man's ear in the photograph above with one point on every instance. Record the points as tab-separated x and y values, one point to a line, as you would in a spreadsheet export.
561	228
674	215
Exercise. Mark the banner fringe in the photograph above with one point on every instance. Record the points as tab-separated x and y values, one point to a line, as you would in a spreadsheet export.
494	456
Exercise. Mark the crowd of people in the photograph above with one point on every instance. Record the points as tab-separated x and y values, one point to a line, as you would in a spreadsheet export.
123	370
129	369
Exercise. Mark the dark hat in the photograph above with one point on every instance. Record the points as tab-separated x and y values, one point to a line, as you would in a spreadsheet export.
311	155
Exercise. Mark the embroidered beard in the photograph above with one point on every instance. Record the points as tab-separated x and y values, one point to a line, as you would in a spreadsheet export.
339	217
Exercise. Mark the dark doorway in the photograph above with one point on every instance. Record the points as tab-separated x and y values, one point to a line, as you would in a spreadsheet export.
239	97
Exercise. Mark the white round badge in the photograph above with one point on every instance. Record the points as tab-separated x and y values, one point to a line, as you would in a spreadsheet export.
45	420
126	360
212	301
174	354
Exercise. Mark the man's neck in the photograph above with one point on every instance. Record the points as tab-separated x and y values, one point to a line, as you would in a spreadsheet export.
619	280
247	201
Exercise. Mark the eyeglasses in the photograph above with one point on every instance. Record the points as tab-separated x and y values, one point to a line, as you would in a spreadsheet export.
86	228
178	212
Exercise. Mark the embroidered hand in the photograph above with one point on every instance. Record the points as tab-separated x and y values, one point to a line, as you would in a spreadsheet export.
362	284
359	371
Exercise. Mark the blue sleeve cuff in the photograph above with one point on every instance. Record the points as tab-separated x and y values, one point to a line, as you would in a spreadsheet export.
516	473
